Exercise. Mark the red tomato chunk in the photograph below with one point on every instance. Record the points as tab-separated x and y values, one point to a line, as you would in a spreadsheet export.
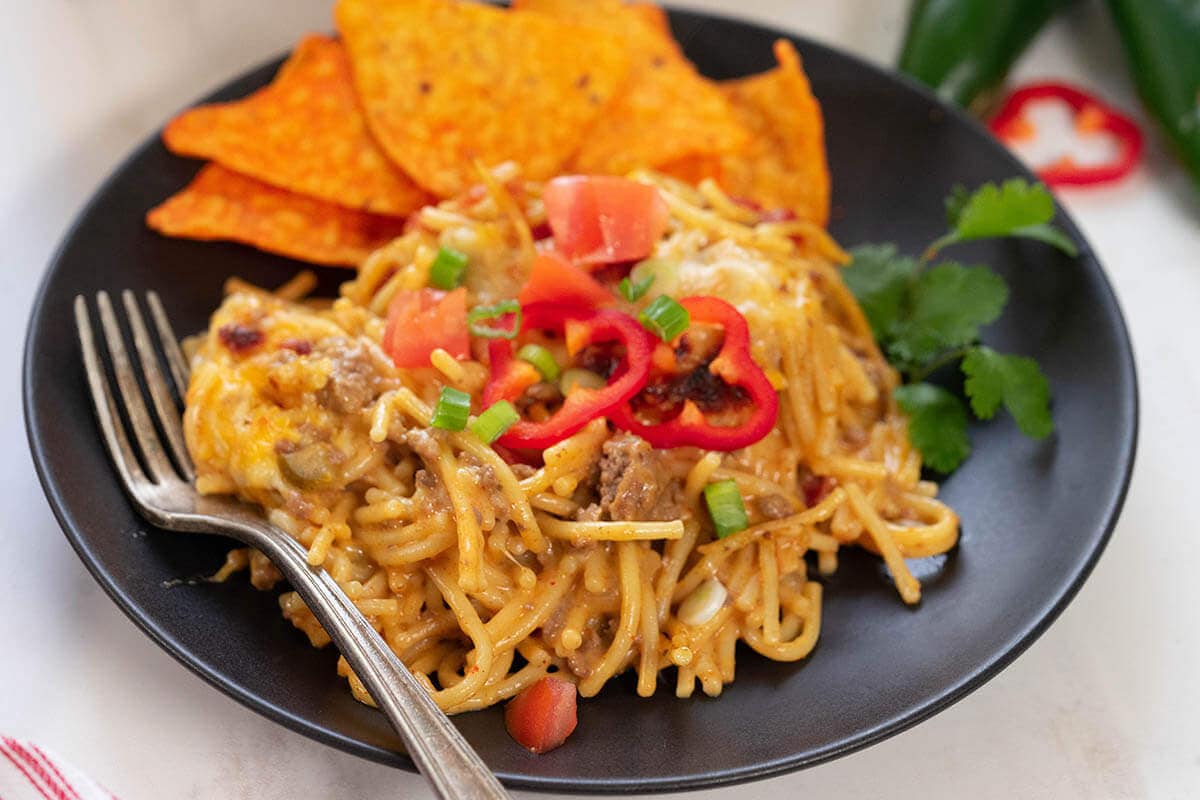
601	219
420	322
553	279
543	716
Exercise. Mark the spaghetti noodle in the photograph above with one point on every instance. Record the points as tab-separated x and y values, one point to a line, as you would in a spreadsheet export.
483	574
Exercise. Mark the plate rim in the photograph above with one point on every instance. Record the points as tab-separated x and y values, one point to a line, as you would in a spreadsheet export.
1016	646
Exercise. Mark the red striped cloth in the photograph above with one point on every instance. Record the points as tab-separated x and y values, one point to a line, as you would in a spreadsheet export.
27	772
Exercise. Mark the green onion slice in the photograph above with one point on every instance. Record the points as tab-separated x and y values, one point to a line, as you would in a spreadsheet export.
542	359
452	409
633	291
491	424
448	268
725	506
498	311
665	318
576	378
664	270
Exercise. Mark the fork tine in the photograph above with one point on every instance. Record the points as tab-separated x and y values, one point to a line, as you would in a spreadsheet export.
170	344
168	414
102	401
143	431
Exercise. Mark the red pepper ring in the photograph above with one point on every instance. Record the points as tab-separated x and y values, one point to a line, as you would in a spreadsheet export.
510	377
1091	115
735	366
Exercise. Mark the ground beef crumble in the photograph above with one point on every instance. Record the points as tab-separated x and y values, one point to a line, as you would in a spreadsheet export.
773	506
354	382
634	481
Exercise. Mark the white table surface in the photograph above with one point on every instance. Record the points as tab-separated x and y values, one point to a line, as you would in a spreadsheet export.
1104	705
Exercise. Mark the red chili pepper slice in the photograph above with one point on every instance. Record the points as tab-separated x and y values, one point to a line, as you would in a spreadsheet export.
735	367
581	327
1092	116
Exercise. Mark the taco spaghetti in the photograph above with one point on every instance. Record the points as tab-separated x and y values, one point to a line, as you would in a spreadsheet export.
486	567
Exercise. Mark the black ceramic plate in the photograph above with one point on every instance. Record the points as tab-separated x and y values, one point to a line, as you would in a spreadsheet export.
1035	515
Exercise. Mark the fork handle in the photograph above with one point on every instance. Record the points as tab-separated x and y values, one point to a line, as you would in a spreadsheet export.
441	753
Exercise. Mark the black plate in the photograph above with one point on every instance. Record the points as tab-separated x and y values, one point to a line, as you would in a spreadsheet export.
1035	516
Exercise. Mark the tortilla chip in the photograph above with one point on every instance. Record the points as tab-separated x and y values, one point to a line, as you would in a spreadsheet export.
221	204
654	17
693	169
446	83
665	110
783	166
304	132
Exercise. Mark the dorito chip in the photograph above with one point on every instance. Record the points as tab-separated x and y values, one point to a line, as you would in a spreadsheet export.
221	204
304	132
446	83
654	16
784	164
693	169
665	111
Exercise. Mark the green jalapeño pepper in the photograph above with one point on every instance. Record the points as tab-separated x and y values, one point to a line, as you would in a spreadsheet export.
964	48
1162	40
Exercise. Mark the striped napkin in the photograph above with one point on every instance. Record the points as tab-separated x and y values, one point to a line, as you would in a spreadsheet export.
27	772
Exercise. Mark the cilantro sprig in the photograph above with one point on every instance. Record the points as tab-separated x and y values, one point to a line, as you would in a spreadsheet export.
927	316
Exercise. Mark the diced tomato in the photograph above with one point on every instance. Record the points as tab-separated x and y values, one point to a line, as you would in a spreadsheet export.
555	280
543	716
420	322
601	219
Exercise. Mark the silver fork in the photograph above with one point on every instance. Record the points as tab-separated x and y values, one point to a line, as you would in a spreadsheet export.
163	493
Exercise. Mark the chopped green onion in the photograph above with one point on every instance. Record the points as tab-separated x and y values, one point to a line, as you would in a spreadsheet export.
498	311
452	409
491	424
574	378
664	270
703	603
542	359
448	268
665	318
633	291
725	506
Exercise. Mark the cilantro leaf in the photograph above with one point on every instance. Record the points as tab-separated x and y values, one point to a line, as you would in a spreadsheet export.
926	317
995	210
937	424
1015	381
879	278
955	202
947	305
1013	208
1048	234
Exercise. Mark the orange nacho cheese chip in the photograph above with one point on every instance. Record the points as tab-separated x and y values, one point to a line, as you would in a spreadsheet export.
664	111
653	16
305	132
221	204
447	83
783	166
693	169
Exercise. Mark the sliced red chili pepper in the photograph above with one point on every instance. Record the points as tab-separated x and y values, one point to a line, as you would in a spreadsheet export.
581	327
1092	116
738	375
